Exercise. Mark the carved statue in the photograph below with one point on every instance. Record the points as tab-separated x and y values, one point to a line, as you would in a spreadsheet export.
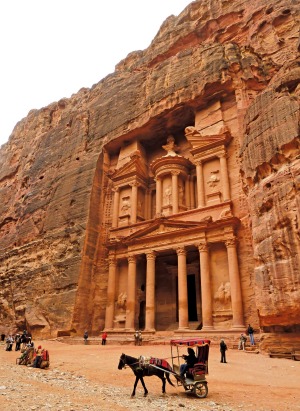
126	205
192	131
140	207
121	302
223	296
181	195
170	147
168	194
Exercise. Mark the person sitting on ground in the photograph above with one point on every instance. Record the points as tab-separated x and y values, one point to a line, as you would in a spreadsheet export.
242	342
190	361
38	357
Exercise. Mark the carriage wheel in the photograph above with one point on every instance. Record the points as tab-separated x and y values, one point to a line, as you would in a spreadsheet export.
200	389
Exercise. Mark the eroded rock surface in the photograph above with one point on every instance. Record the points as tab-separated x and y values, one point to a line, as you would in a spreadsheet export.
52	170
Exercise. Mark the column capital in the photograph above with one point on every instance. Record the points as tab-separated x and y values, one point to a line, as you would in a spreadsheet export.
203	247
198	162
175	173
116	189
132	258
157	178
181	251
151	255
223	154
134	184
231	242
112	260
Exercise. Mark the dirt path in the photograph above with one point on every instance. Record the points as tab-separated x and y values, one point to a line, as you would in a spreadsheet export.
86	378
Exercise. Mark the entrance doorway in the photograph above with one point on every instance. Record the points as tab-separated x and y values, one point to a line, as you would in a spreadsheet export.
142	315
192	299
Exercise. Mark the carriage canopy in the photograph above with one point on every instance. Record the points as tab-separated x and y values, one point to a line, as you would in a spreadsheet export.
189	342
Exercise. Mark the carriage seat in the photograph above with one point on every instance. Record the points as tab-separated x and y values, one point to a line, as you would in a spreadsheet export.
200	368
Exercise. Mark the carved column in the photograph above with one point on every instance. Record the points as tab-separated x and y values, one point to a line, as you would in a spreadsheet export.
131	293
187	192
150	292
148	204
205	279
158	195
116	208
134	198
111	291
235	284
192	192
182	290
200	184
224	178
175	192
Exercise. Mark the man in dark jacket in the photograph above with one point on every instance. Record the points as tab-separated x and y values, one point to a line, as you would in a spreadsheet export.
190	361
223	349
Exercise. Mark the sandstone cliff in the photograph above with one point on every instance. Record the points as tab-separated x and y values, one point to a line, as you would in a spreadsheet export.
52	170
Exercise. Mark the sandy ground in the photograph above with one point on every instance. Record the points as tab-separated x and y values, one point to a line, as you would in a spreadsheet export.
86	377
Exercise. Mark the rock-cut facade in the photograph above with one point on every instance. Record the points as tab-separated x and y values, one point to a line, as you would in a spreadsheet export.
164	198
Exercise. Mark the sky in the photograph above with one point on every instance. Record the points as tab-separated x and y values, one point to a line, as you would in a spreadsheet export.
50	49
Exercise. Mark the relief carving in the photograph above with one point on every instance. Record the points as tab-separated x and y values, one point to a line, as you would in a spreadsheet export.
214	178
168	195
181	195
223	297
126	206
121	302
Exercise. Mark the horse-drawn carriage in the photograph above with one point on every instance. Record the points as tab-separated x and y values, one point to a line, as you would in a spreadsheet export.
194	381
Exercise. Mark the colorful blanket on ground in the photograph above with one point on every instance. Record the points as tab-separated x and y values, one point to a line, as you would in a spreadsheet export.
159	362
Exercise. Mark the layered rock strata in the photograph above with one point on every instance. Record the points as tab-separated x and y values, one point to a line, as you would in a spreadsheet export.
234	58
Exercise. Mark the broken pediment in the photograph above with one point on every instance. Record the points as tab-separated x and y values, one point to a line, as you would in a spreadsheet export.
135	168
201	142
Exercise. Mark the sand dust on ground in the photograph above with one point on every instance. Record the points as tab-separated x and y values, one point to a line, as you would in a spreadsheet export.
86	377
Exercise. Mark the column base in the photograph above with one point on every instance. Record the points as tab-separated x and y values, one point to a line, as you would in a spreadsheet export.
241	328
149	330
207	328
183	329
129	330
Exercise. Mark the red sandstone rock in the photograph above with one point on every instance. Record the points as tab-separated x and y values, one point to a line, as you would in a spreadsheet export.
235	65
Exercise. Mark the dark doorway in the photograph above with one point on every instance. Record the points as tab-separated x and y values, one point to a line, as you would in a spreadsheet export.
142	315
192	302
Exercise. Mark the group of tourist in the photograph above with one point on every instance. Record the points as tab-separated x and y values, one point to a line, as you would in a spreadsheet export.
20	340
103	341
241	344
30	356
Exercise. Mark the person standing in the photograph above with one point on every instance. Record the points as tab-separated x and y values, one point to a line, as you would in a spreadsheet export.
140	338
104	337
85	337
223	349
250	331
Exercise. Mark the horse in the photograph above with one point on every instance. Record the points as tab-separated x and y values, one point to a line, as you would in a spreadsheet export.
141	371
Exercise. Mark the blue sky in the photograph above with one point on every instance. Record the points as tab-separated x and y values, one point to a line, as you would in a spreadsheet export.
50	49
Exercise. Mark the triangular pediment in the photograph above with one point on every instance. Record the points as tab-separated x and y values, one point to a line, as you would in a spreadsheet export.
134	167
162	226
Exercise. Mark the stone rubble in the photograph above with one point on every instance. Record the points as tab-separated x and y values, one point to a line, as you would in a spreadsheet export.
69	392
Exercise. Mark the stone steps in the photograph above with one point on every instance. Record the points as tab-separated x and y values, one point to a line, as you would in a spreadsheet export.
163	338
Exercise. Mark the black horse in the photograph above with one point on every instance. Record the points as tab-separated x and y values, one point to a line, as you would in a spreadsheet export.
141	371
